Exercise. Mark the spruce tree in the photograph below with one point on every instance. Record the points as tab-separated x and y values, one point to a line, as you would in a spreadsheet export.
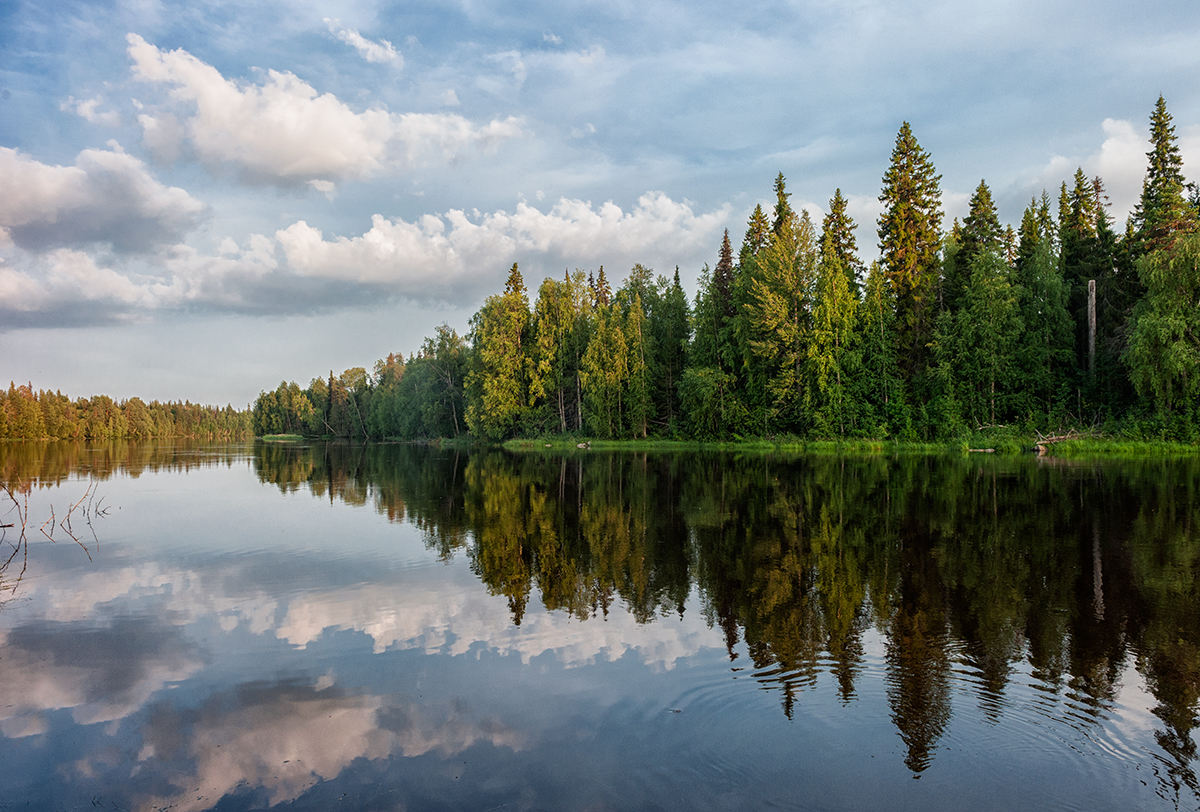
909	239
757	233
1163	211
981	229
837	229
783	209
722	278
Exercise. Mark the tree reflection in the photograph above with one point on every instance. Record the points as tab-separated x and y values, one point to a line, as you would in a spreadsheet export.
969	569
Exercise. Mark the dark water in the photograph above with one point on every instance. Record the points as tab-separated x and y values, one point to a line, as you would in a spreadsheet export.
399	628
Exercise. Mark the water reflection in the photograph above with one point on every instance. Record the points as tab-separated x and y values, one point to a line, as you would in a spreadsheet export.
1007	590
961	564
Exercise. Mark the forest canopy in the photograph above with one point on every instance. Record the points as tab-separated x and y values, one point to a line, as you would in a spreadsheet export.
1062	322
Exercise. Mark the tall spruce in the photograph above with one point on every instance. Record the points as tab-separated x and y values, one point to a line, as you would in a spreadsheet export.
909	239
779	319
1163	211
981	229
671	330
837	229
783	209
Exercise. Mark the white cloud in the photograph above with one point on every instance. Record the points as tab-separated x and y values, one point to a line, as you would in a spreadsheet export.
433	256
1120	161
162	135
66	280
553	39
285	738
40	673
450	98
284	131
376	52
107	196
86	108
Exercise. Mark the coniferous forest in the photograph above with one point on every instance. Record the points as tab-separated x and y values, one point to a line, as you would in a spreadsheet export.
1064	322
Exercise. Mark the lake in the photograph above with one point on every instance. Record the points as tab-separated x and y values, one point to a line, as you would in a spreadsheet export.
395	627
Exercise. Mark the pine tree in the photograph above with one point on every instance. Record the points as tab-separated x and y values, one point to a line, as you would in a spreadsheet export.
989	325
553	368
638	397
879	390
909	239
1163	211
1045	353
837	228
605	373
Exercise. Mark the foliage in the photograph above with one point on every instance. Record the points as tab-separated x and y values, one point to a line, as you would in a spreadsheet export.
981	328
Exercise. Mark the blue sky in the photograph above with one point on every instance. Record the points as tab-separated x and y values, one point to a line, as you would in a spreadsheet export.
204	198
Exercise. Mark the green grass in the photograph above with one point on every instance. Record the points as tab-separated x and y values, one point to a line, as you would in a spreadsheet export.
281	438
1116	447
785	444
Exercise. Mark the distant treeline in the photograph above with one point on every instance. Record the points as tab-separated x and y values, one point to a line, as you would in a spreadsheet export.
26	414
952	331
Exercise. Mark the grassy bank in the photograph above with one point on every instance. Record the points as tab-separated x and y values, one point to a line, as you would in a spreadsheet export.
997	442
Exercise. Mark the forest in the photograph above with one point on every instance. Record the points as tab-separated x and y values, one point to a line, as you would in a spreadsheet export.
29	414
1062	323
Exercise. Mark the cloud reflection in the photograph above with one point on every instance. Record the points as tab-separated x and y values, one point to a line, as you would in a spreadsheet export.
282	738
100	674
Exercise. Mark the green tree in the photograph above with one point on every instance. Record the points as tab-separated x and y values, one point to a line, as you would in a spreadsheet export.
779	315
837	228
605	373
989	325
981	230
909	239
559	335
1164	350
879	389
1163	211
1045	355
498	380
671	329
830	350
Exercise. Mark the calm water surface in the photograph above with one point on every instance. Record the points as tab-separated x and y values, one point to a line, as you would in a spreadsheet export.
396	628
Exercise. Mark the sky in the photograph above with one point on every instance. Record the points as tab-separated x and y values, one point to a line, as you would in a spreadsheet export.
199	200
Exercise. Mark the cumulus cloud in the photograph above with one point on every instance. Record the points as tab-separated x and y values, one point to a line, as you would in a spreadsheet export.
107	196
68	286
1120	161
377	52
283	131
86	109
452	258
433	256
